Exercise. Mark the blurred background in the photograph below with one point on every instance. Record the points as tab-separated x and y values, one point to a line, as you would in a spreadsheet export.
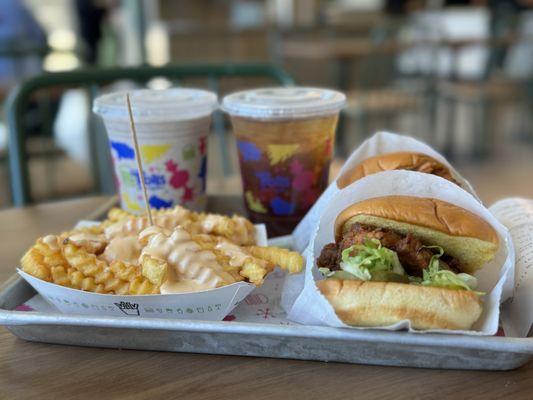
457	74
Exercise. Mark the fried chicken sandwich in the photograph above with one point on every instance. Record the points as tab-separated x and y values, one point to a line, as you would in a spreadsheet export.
406	258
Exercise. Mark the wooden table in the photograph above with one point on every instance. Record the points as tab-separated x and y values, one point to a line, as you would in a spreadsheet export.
34	370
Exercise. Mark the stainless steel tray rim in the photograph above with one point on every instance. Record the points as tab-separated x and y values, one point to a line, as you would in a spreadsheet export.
519	345
494	343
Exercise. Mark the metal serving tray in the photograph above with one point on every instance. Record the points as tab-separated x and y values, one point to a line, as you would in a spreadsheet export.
258	339
261	340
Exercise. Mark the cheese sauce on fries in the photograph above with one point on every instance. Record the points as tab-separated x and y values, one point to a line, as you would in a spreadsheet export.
183	252
126	249
190	265
51	242
237	256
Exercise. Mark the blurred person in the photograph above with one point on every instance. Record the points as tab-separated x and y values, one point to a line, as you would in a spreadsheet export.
402	7
22	44
503	17
22	48
91	17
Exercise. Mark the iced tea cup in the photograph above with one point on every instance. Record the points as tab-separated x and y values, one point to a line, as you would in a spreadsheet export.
285	139
172	127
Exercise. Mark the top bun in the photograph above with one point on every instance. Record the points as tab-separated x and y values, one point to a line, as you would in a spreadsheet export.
462	234
392	161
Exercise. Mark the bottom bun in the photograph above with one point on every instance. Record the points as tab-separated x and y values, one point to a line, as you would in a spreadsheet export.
363	303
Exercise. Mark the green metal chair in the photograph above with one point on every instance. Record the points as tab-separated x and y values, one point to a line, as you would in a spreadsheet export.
92	80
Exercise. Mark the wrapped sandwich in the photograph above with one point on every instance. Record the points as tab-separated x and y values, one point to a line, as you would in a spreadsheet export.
406	258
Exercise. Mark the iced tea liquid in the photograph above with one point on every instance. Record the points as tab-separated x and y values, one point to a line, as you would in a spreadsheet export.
284	166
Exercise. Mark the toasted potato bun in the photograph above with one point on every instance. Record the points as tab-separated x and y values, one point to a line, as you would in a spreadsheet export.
391	161
462	234
367	303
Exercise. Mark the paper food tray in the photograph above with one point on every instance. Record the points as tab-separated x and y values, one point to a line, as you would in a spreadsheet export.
210	305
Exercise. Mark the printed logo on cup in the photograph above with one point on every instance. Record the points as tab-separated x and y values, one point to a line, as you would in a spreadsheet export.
174	174
172	127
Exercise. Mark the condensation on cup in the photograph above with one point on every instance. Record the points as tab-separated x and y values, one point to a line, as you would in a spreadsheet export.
172	127
285	139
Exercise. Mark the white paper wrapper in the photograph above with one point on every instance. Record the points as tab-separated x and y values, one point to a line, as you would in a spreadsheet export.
207	305
380	143
517	215
495	279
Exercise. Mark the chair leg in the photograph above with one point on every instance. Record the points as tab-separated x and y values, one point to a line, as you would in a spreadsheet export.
528	122
18	159
449	145
343	68
482	136
430	108
363	125
92	139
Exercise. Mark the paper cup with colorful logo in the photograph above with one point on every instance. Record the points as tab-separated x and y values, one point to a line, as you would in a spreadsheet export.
172	127
285	139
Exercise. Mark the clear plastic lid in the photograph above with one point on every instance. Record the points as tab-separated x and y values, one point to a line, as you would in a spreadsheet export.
157	105
283	103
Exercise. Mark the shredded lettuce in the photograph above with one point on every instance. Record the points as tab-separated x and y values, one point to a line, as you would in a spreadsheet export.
336	274
361	260
433	275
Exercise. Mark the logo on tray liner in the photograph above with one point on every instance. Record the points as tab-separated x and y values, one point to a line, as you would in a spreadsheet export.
255	299
131	309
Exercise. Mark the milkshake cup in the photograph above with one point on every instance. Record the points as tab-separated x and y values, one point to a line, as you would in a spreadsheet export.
285	139
172	127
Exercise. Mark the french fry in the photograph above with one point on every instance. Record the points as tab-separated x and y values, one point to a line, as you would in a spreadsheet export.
186	257
236	259
59	276
96	229
33	264
138	284
118	214
237	229
89	265
290	261
43	255
94	243
154	270
254	272
72	278
116	278
141	285
134	226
